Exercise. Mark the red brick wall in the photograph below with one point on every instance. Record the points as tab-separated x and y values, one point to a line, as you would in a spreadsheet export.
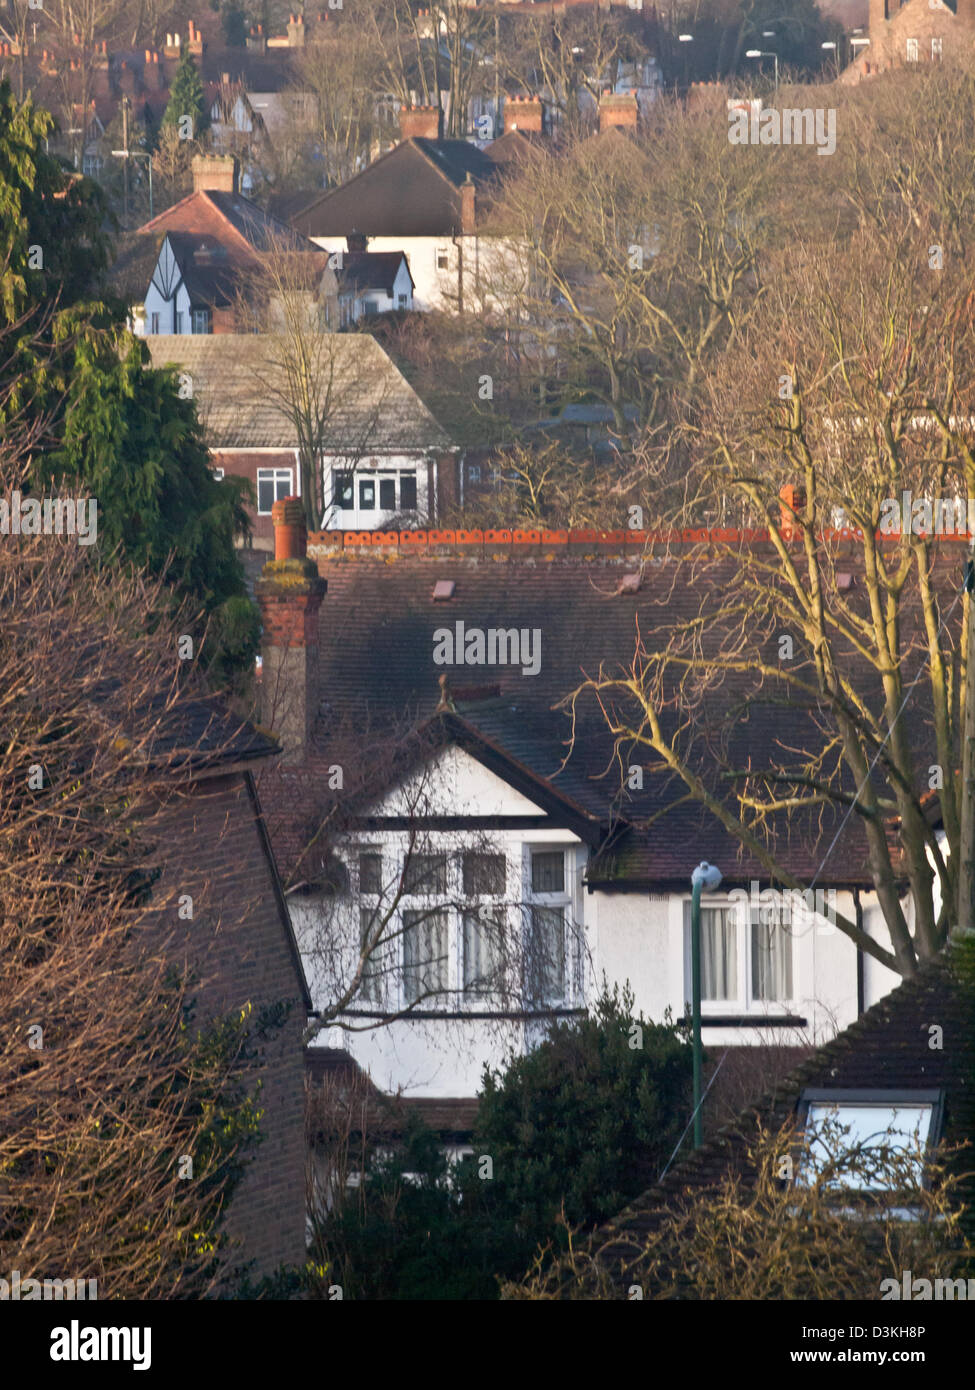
240	947
242	463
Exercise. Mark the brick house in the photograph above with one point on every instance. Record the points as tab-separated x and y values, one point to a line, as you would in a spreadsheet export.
184	271
384	455
217	850
920	31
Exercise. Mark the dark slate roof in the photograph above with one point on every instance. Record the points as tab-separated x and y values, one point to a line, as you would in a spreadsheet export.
209	270
221	214
256	226
376	652
887	1048
413	190
370	270
202	733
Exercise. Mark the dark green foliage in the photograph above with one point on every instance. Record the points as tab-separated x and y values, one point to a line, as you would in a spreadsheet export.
586	1121
582	1125
233	23
418	1237
186	98
131	439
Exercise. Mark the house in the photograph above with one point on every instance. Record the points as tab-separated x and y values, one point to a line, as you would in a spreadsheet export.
919	31
240	943
430	198
370	282
202	253
384	455
886	1069
547	851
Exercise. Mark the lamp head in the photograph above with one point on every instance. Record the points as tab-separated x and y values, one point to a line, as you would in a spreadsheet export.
706	876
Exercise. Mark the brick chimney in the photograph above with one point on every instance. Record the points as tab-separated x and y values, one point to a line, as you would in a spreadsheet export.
152	73
290	594
100	83
523	113
296	31
126	80
195	41
218	173
467	193
255	41
419	122
617	109
356	241
792	501
875	22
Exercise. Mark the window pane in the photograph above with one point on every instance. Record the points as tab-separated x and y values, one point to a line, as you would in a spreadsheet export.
370	930
771	956
483	875
548	872
880	1130
424	954
344	493
482	951
282	484
545	966
426	875
407	492
719	953
370	872
367	494
265	491
387	494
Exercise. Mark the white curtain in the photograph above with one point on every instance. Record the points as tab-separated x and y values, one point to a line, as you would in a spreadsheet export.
771	955
425	960
719	953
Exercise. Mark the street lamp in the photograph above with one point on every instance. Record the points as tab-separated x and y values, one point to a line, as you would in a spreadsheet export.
761	53
704	876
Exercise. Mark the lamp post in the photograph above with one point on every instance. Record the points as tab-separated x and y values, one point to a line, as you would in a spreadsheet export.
761	53
704	876
139	154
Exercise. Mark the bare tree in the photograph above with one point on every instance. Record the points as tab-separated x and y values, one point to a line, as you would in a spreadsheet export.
110	1079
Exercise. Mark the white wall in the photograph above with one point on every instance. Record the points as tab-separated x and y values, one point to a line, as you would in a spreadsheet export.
375	469
488	266
628	937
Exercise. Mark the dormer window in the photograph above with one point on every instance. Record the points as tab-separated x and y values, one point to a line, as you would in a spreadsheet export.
868	1140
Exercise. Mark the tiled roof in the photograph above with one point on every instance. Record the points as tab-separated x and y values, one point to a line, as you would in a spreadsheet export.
376	409
413	190
210	272
887	1048
385	1116
376	650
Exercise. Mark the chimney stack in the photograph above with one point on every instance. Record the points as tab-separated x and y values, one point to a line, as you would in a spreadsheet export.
467	194
617	110
290	593
217	173
419	122
356	241
523	113
877	14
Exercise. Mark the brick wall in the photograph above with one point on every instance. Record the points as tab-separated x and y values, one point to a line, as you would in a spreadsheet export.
242	463
240	946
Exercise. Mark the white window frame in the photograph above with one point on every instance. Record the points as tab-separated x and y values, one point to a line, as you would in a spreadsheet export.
886	1102
571	931
743	1001
937	49
277	475
912	50
444	253
200	316
154	323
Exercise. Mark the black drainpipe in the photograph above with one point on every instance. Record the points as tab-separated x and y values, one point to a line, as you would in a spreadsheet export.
860	971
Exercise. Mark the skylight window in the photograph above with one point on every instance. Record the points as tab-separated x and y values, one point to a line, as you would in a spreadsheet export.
868	1140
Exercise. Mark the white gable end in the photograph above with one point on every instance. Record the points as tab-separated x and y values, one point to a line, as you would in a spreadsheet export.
455	784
